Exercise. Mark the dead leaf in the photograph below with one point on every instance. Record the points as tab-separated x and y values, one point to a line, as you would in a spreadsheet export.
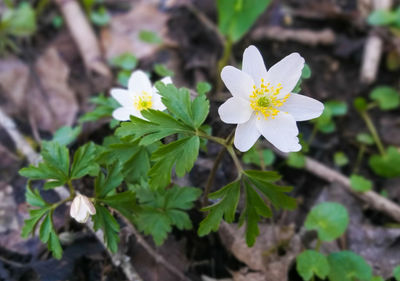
122	35
245	275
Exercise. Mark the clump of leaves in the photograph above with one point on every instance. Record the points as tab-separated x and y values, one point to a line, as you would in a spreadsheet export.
96	12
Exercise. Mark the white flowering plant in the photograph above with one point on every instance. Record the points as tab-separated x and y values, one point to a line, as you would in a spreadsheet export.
161	132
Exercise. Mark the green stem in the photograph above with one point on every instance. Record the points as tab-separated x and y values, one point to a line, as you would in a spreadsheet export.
223	61
360	156
372	130
260	155
218	140
71	189
313	134
235	160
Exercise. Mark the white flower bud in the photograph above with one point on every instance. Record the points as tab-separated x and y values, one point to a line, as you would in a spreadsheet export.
82	208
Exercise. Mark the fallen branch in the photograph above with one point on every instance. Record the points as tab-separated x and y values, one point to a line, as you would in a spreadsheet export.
373	48
84	36
119	259
304	36
372	198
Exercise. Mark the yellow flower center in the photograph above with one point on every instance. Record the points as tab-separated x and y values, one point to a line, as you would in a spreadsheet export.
143	101
264	100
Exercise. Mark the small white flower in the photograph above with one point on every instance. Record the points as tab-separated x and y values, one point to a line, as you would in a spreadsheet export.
262	102
82	208
139	96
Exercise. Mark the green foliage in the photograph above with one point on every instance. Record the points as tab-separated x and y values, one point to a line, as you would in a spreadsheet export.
149	37
360	104
386	97
66	135
385	18
84	163
325	122
338	108
348	266
329	219
125	61
236	17
310	263
203	88
387	165
19	21
377	278
123	77
396	273
296	160
104	108
105	184
162	70
365	138
255	183
359	183
100	16
340	159
305	74
253	156
105	221
162	209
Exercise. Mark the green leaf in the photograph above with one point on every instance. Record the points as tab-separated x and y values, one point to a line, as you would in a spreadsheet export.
160	125
386	97
45	228
162	70
54	245
33	197
360	104
225	208
84	163
123	77
337	108
381	17
329	219
311	263
263	176
149	37
104	184
340	159
396	273
255	209
296	160
104	220
183	153
21	22
104	108
306	72
359	183
31	223
236	17
252	156
388	165
377	278
348	266
125	61
203	88
324	123
100	17
163	209
365	138
124	203
200	109
66	135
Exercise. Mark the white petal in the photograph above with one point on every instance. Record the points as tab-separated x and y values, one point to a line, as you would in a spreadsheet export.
123	113
74	207
246	134
122	96
157	103
286	72
166	80
235	111
281	132
139	82
240	84
88	205
302	107
253	64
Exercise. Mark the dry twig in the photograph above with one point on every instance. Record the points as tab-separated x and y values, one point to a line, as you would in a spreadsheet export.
119	259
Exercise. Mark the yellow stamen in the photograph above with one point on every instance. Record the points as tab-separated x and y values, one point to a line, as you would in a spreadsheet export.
265	100
143	101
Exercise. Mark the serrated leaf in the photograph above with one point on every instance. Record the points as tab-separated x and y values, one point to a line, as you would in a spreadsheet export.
84	163
66	135
348	266
104	184
386	97
236	17
31	223
200	109
33	197
263	176
104	220
225	208
45	228
203	88
310	263
329	219
359	183
155	223
124	203
104	108
388	165
183	153
54	245
255	209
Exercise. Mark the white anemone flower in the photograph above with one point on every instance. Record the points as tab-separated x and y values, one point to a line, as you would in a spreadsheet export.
140	95
263	104
82	208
